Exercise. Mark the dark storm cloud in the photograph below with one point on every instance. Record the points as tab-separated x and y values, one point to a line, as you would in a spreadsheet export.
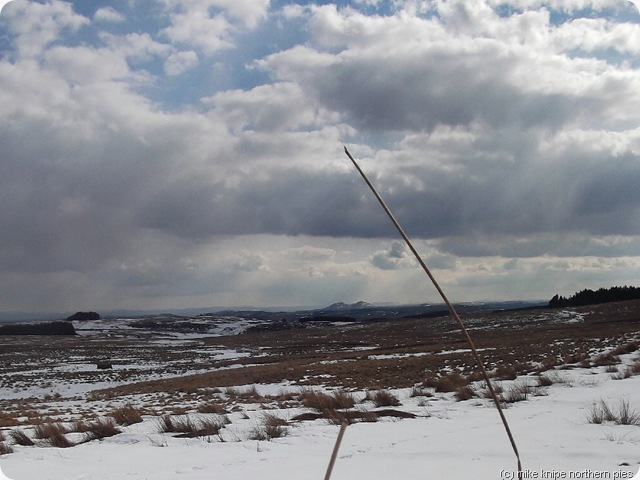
421	93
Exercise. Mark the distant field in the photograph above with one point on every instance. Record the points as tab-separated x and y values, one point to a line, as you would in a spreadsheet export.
168	396
57	377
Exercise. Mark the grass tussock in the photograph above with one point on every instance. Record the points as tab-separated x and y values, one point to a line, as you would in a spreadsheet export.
622	414
187	427
605	359
127	415
270	427
21	438
506	372
101	428
622	375
418	391
518	391
250	395
450	382
625	348
48	430
464	393
54	434
551	378
382	398
337	400
81	426
5	449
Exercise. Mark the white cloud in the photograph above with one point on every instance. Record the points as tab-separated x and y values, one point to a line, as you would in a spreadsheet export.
35	25
83	65
180	62
210	24
277	107
136	47
108	15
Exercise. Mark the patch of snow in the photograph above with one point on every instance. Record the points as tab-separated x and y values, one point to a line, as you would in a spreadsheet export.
449	439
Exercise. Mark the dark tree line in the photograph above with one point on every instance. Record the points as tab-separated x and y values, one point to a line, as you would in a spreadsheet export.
84	316
590	297
46	328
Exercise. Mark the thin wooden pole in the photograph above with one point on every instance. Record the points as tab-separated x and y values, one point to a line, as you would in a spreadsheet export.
452	310
336	448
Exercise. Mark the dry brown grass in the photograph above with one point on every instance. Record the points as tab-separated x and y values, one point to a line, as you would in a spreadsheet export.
250	395
212	407
605	359
464	393
81	426
271	426
102	428
625	348
623	414
188	427
54	434
506	372
47	430
625	373
448	383
325	356
127	415
321	401
301	355
382	398
21	438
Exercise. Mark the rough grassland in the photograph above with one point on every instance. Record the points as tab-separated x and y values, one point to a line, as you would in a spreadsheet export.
169	374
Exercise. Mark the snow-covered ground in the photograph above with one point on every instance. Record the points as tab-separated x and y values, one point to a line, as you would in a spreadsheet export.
448	440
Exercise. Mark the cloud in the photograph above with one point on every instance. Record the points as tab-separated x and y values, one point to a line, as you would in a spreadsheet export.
397	256
108	15
209	24
3	3
506	144
432	77
179	62
266	108
33	26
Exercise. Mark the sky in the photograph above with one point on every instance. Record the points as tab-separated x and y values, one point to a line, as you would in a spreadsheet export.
166	154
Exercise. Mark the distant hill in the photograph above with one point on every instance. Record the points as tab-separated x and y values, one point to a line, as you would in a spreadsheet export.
347	306
591	297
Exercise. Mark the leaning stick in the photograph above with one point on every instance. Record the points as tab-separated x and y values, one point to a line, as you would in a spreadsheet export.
452	310
336	448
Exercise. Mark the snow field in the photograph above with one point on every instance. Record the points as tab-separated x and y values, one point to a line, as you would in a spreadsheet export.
449	439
